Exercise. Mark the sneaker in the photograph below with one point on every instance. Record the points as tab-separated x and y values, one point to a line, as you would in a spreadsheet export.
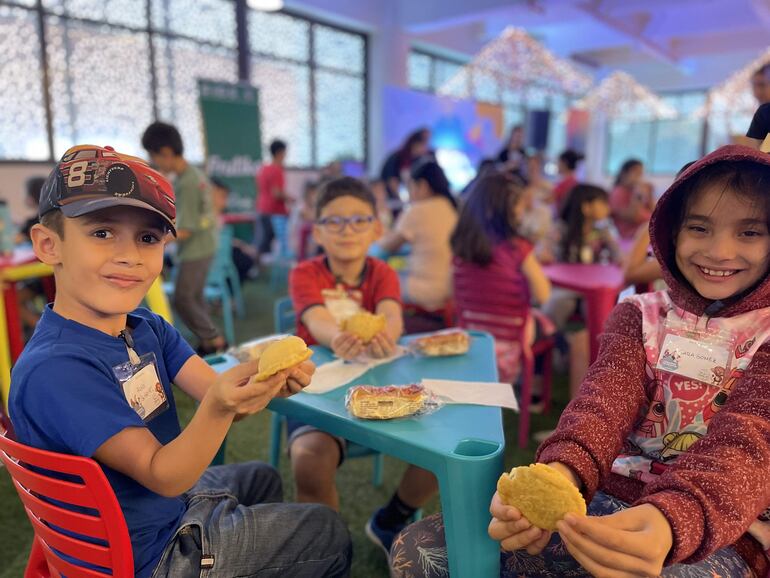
382	537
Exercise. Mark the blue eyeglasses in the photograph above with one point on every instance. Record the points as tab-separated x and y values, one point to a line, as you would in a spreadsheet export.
335	224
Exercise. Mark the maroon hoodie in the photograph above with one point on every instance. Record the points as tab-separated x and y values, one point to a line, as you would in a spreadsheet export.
715	489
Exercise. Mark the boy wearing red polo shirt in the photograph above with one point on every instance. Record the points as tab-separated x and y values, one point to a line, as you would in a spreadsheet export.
324	291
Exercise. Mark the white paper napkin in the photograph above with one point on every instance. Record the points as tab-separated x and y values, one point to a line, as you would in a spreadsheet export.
337	373
473	392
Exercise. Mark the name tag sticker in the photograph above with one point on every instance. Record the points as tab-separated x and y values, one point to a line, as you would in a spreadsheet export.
704	361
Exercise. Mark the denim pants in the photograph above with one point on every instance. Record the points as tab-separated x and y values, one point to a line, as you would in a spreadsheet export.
236	526
419	551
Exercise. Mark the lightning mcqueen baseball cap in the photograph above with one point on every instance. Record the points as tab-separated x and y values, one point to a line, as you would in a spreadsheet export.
89	178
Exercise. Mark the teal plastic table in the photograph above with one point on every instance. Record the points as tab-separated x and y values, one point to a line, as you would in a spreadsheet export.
461	444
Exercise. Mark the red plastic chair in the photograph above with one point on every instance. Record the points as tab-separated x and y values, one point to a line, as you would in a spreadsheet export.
93	492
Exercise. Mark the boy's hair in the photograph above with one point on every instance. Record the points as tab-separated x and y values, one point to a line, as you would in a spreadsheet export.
344	187
570	158
485	218
276	147
572	215
34	186
161	134
54	220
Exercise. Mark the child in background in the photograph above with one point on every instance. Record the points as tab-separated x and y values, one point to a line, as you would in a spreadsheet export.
196	233
31	200
384	212
94	350
30	294
640	266
325	290
631	199
492	259
243	254
301	222
537	221
567	163
668	438
426	224
272	201
585	236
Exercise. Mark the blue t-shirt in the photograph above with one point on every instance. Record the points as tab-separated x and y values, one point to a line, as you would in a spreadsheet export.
65	398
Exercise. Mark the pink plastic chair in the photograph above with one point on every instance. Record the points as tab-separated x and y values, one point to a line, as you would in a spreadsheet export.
50	521
483	314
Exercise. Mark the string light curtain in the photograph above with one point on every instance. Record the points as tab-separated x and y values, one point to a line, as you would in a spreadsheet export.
514	62
620	96
733	97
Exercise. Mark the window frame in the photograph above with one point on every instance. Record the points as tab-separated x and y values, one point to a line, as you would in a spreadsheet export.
242	53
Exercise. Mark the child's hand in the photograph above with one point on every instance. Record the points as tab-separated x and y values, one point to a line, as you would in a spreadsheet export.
381	346
234	393
514	531
346	345
299	378
632	542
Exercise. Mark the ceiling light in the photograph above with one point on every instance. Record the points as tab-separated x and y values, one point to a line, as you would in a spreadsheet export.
265	5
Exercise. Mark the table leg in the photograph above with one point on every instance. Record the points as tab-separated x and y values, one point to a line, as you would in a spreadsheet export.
599	303
467	484
13	320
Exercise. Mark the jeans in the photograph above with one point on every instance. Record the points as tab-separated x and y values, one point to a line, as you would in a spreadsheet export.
236	526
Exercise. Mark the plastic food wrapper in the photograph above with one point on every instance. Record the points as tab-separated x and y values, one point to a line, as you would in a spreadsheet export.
252	350
390	402
441	343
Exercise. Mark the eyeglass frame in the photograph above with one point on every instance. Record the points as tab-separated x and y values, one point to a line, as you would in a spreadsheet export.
365	221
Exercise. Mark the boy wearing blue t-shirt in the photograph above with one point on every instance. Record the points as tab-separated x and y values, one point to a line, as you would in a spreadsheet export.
95	380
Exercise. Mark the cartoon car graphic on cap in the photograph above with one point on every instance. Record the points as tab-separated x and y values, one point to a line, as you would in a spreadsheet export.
89	169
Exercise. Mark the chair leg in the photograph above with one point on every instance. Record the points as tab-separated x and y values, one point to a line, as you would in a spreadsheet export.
227	315
37	566
240	306
526	399
547	377
378	463
276	423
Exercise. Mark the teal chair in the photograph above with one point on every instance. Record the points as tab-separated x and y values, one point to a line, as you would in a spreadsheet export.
284	321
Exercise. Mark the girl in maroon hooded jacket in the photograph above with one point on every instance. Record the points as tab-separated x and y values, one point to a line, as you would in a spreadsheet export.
669	437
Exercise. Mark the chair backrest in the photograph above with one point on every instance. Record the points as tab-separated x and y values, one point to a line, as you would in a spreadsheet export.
73	511
478	305
284	319
223	258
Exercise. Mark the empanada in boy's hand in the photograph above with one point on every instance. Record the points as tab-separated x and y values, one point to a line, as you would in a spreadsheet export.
282	354
364	325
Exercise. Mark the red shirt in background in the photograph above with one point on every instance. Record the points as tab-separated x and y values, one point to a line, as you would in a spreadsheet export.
561	190
621	198
271	177
309	279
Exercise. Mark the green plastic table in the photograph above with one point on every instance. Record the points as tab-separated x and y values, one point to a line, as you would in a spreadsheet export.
461	444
